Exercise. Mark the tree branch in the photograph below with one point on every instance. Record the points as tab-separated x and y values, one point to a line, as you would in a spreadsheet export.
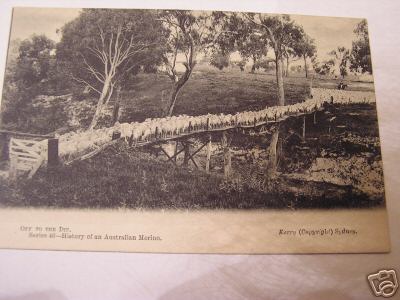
85	82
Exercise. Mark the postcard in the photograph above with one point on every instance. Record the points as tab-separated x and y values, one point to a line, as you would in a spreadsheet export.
176	131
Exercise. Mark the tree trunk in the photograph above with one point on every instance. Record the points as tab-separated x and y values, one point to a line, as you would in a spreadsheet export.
279	81
274	153
100	103
253	67
116	107
178	85
272	164
287	66
174	94
305	66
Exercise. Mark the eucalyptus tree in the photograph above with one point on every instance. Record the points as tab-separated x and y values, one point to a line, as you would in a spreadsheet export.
306	49
102	47
188	36
341	58
361	52
281	32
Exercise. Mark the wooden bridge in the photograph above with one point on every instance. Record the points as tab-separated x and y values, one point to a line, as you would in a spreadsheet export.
204	139
206	133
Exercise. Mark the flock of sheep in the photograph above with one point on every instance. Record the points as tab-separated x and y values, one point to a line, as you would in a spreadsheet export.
73	143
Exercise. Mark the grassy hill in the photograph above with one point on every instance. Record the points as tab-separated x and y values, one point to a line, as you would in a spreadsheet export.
213	91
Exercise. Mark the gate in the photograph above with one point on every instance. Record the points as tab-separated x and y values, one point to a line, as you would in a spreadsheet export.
26	156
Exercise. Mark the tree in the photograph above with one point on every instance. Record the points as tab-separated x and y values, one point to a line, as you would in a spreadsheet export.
361	54
323	68
219	60
27	74
34	59
187	37
341	57
305	48
281	32
102	47
252	46
241	64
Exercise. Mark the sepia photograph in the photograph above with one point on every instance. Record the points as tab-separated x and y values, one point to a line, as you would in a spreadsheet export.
190	111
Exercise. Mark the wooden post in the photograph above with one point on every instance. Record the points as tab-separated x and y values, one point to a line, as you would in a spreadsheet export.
190	126
315	118
331	99
304	128
208	154
12	173
52	152
227	156
156	133
176	151
5	140
115	116
186	157
208	124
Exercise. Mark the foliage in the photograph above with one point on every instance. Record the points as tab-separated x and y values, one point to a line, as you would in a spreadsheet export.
31	72
322	68
304	48
34	60
341	58
132	33
361	54
105	47
219	60
250	31
188	35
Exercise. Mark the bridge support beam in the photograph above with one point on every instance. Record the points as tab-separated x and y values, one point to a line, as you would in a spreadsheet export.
186	157
208	159
175	151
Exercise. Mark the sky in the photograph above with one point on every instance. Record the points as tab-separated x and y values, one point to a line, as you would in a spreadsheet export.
328	32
